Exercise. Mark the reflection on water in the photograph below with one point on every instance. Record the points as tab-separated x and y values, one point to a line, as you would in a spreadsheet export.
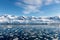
29	32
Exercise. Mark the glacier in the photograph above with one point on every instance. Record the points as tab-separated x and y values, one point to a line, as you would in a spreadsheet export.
12	19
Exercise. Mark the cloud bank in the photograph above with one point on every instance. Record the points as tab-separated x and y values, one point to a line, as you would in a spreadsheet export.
33	6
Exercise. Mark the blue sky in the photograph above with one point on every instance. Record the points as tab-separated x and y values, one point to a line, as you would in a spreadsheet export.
30	7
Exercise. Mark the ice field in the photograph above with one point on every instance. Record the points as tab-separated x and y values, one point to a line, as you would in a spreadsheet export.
29	32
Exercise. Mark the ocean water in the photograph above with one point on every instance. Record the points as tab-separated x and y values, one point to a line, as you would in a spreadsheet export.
29	32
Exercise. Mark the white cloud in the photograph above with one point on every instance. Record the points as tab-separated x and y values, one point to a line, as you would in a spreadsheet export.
48	2
57	1
33	6
29	9
33	2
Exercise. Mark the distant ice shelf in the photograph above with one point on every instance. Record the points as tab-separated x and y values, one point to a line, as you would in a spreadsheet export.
28	20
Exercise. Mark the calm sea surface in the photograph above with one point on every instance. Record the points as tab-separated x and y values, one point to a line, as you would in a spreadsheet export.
29	32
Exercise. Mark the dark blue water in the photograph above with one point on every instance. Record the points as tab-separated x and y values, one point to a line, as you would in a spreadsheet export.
29	32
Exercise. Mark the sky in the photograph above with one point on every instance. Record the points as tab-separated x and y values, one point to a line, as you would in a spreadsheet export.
30	7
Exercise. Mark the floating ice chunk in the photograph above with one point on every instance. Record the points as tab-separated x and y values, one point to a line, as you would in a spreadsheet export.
16	30
27	38
11	35
33	36
37	39
1	37
48	36
46	39
15	39
41	37
9	26
0	33
55	38
25	34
